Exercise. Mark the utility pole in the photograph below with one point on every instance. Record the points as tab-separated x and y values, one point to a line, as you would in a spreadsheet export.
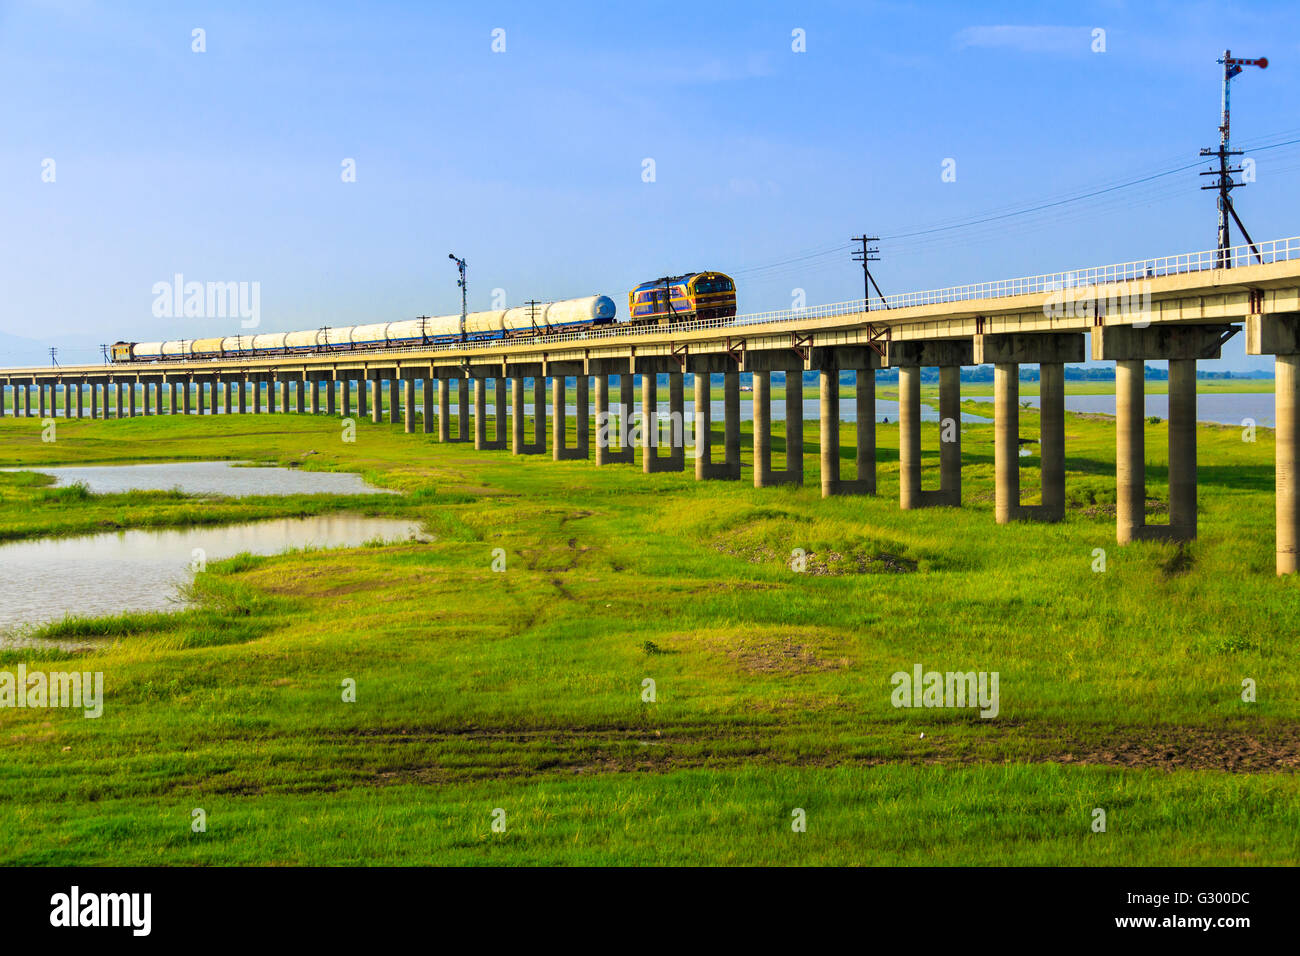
866	255
460	264
532	312
54	356
424	329
104	351
1225	183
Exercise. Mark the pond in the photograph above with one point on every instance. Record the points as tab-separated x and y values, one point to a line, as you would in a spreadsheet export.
208	478
100	574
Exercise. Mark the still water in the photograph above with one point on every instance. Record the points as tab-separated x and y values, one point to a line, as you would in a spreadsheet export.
886	411
210	478
1226	409
47	579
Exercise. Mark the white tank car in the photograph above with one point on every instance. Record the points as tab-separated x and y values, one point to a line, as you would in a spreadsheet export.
302	340
175	350
592	309
146	351
373	334
337	338
269	341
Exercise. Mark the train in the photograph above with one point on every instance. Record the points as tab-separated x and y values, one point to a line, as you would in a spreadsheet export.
679	298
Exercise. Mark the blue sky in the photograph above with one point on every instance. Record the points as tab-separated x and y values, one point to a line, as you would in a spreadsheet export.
226	165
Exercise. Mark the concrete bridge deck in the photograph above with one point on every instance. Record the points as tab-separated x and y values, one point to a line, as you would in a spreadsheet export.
1179	308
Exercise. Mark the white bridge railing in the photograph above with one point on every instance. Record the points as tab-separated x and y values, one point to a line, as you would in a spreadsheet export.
1274	250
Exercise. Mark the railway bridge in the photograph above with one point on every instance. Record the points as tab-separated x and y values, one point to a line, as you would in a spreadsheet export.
1177	308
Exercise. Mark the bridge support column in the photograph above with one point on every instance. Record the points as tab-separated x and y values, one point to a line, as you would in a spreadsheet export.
1279	336
313	396
613	434
444	410
863	361
426	395
331	397
910	358
481	440
518	410
376	401
40	399
284	394
1006	352
187	392
240	385
130	402
704	369
408	406
762	367
500	441
214	394
67	400
651	430
394	399
146	395
299	395
270	397
560	449
81	400
345	397
200	397
463	432
1130	347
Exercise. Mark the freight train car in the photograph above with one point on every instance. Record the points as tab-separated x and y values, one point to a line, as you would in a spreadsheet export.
542	318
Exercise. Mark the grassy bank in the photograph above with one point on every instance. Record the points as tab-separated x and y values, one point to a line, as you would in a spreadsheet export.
523	690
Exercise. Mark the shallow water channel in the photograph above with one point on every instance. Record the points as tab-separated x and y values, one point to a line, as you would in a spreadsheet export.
144	570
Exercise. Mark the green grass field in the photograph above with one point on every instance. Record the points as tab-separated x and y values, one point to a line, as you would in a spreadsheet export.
521	691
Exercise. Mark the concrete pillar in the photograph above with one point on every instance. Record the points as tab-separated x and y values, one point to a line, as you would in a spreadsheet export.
284	394
705	466
653	428
499	438
377	401
299	386
171	397
731	421
762	382
793	474
214	394
1006	441
1130	450
1286	386
81	400
200	397
829	419
67	400
362	392
186	395
909	437
444	410
950	435
561	451
480	414
27	401
462	394
313	396
241	387
40	398
331	397
612	425
270	396
1051	404
130	402
345	397
865	397
539	415
426	393
1182	448
517	414
394	400
408	407
94	401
